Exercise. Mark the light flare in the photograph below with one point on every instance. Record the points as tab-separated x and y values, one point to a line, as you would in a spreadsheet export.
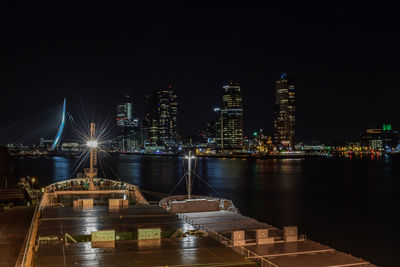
92	143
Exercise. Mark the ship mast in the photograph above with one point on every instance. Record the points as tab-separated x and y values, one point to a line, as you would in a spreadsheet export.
189	174
92	144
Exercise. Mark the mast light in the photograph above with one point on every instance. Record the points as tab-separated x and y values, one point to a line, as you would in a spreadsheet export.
92	143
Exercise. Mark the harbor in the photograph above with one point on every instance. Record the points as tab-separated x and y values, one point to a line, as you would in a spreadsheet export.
271	205
98	221
185	134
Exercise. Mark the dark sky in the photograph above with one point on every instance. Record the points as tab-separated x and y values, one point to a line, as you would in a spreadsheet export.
345	60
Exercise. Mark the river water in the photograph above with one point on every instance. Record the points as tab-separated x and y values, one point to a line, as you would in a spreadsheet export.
348	204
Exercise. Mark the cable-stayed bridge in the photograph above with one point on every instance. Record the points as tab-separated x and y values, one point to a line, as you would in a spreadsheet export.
42	130
44	133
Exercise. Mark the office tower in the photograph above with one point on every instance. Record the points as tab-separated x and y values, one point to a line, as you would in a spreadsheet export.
129	131
125	111
151	118
232	117
284	113
207	134
162	117
218	127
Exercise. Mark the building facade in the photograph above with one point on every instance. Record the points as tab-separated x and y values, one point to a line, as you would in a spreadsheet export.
231	117
162	117
125	111
129	131
284	113
383	139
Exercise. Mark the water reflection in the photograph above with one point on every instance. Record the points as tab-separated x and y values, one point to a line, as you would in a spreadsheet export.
61	168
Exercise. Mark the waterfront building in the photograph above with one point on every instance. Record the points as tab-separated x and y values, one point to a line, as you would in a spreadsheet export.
162	117
71	146
45	143
129	131
218	127
231	117
210	135
150	121
130	138
284	113
125	111
263	143
384	138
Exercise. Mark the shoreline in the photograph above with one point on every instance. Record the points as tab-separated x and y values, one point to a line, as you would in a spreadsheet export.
393	156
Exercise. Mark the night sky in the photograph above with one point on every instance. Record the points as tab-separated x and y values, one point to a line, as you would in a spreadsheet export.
345	60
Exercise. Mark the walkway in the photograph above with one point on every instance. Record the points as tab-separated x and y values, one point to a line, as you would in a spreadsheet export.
14	224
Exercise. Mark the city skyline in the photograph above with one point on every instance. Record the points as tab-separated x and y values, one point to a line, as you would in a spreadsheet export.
199	133
138	110
345	76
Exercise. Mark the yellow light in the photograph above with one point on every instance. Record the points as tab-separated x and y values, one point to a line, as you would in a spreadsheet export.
33	179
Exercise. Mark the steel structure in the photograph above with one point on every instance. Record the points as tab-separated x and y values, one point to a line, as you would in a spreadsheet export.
60	129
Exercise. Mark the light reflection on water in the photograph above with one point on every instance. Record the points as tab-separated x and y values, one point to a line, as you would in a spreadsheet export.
61	168
337	202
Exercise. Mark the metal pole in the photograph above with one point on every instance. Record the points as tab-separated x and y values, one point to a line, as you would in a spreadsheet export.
222	130
189	175
92	129
92	158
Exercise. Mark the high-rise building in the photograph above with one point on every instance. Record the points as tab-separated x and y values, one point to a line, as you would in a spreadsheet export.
129	131
284	113
125	111
151	118
162	117
232	117
218	127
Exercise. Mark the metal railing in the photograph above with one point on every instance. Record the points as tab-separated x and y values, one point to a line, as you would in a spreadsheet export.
83	184
31	235
229	243
242	250
223	204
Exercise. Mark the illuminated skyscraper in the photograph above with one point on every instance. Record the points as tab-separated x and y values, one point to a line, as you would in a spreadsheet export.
284	112
125	111
232	117
129	132
162	117
218	127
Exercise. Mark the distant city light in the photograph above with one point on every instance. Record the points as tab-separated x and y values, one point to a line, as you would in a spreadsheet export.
387	127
